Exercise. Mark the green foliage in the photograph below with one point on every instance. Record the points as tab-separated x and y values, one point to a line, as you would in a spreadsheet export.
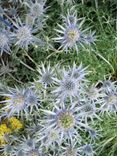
108	142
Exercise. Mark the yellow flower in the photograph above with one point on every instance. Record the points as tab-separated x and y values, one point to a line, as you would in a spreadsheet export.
3	130
15	124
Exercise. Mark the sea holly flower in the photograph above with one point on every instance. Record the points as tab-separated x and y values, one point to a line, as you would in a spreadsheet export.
67	88
15	102
95	94
12	11
32	99
37	8
49	138
18	101
78	72
23	35
64	120
46	75
88	150
71	34
32	149
110	103
71	17
70	149
28	147
109	85
5	68
73	149
90	38
36	15
94	134
71	83
89	111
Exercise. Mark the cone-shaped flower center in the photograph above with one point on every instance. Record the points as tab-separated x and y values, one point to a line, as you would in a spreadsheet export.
19	100
66	120
53	135
73	35
71	152
88	150
23	33
47	78
69	85
112	99
88	108
34	153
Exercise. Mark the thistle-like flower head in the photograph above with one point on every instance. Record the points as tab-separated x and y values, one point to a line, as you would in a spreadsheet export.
94	134
93	93
67	88
37	8
90	38
71	17
68	37
36	15
31	99
110	103
68	84
71	34
47	75
18	100
70	149
64	120
78	72
89	110
28	147
5	68
49	138
109	85
23	35
15	101
88	150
